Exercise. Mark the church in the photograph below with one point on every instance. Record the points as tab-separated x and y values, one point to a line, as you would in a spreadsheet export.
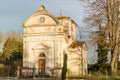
46	39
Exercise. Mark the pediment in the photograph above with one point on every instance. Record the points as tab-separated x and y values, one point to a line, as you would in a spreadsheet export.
41	18
81	44
41	46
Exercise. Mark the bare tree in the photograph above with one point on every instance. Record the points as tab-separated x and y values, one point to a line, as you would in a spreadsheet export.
1	39
12	51
107	14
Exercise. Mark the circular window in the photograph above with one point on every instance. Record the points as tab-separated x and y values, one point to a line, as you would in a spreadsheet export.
42	19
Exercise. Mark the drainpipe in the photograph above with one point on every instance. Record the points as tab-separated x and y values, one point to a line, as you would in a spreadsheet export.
33	64
54	52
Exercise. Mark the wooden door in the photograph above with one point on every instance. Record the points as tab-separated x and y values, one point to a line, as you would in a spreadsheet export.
41	66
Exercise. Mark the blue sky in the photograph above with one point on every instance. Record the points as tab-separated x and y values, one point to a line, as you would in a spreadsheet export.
14	12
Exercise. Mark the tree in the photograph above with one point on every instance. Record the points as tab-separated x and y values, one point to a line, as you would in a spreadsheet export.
64	69
1	40
102	57
12	51
1	37
106	13
102	50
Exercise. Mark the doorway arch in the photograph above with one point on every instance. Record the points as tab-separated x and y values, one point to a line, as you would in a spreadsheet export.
41	64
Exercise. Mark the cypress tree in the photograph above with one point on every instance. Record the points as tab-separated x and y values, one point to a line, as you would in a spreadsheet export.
64	69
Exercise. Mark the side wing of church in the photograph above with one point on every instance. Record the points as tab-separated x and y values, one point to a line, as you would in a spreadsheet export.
45	40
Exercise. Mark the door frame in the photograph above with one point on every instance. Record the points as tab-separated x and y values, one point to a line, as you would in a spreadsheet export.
41	64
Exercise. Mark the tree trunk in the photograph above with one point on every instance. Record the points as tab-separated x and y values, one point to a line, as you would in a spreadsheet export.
8	71
114	61
18	71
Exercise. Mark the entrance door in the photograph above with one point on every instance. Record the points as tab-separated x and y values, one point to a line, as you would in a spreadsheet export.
41	67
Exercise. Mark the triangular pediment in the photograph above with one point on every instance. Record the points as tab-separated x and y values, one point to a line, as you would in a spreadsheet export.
81	44
41	46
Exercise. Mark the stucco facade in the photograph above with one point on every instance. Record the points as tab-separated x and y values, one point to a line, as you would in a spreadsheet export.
45	39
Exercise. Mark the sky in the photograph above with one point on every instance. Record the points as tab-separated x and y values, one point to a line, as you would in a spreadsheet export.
13	13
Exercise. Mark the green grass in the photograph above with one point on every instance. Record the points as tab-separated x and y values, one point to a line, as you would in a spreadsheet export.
98	76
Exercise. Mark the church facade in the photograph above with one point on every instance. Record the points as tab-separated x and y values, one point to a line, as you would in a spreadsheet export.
46	39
